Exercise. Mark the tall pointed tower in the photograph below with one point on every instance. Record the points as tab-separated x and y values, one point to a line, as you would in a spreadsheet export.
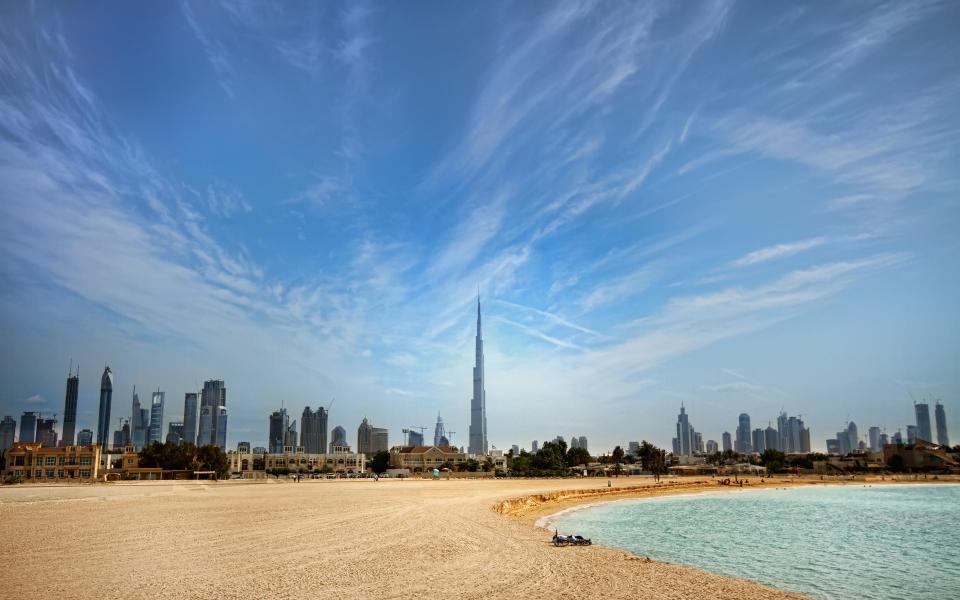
478	405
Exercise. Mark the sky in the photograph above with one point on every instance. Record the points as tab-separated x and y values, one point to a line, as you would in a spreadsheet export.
738	206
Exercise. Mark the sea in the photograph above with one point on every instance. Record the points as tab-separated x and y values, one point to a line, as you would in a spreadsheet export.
876	541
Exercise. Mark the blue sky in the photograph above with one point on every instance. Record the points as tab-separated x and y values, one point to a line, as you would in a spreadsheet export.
741	206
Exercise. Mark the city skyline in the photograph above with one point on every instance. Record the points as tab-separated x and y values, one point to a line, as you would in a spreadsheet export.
741	210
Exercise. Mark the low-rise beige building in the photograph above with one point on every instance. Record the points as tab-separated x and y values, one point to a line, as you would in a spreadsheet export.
425	458
34	462
295	459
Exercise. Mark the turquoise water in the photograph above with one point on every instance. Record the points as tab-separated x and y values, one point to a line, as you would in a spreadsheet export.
879	542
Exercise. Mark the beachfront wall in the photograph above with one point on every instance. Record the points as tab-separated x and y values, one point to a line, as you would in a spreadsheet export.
34	462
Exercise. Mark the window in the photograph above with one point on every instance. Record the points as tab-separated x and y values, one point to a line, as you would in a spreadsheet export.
86	460
84	473
50	460
60	461
60	473
50	473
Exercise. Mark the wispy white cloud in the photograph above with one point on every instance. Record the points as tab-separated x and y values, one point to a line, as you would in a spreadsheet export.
214	50
778	251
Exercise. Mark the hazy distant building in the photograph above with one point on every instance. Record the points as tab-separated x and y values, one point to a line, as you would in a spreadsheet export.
515	449
911	434
190	415
213	415
897	438
478	405
155	431
771	438
175	433
833	446
583	443
685	442
534	446
415	438
103	415
712	447
884	440
853	438
338	438
47	432
370	439
121	437
70	408
28	427
922	410
279	423
439	432
290	437
139	420
759	440
574	442
793	436
8	432
942	438
84	437
313	430
727	442
874	436
744	444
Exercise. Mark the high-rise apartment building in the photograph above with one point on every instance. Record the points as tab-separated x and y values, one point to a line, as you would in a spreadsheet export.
28	427
47	432
190	417
213	415
84	437
727	441
911	434
685	442
290	437
70	408
941	416
712	447
8	432
758	440
793	436
139	420
103	415
478	405
922	409
279	424
175	433
744	444
155	430
313	430
338	438
534	446
370	439
439	432
874	436
583	442
771	438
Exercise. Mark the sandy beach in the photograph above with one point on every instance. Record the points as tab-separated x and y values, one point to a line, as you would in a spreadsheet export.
392	539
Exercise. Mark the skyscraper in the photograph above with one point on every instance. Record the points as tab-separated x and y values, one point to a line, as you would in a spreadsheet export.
339	437
534	446
771	438
370	439
415	439
712	447
942	438
103	416
28	426
84	437
8	432
279	423
47	432
874	435
923	421
583	442
213	415
439	432
683	444
478	405
190	418
853	438
727	444
911	434
313	430
175	433
70	408
155	431
139	418
290	437
743	434
759	440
